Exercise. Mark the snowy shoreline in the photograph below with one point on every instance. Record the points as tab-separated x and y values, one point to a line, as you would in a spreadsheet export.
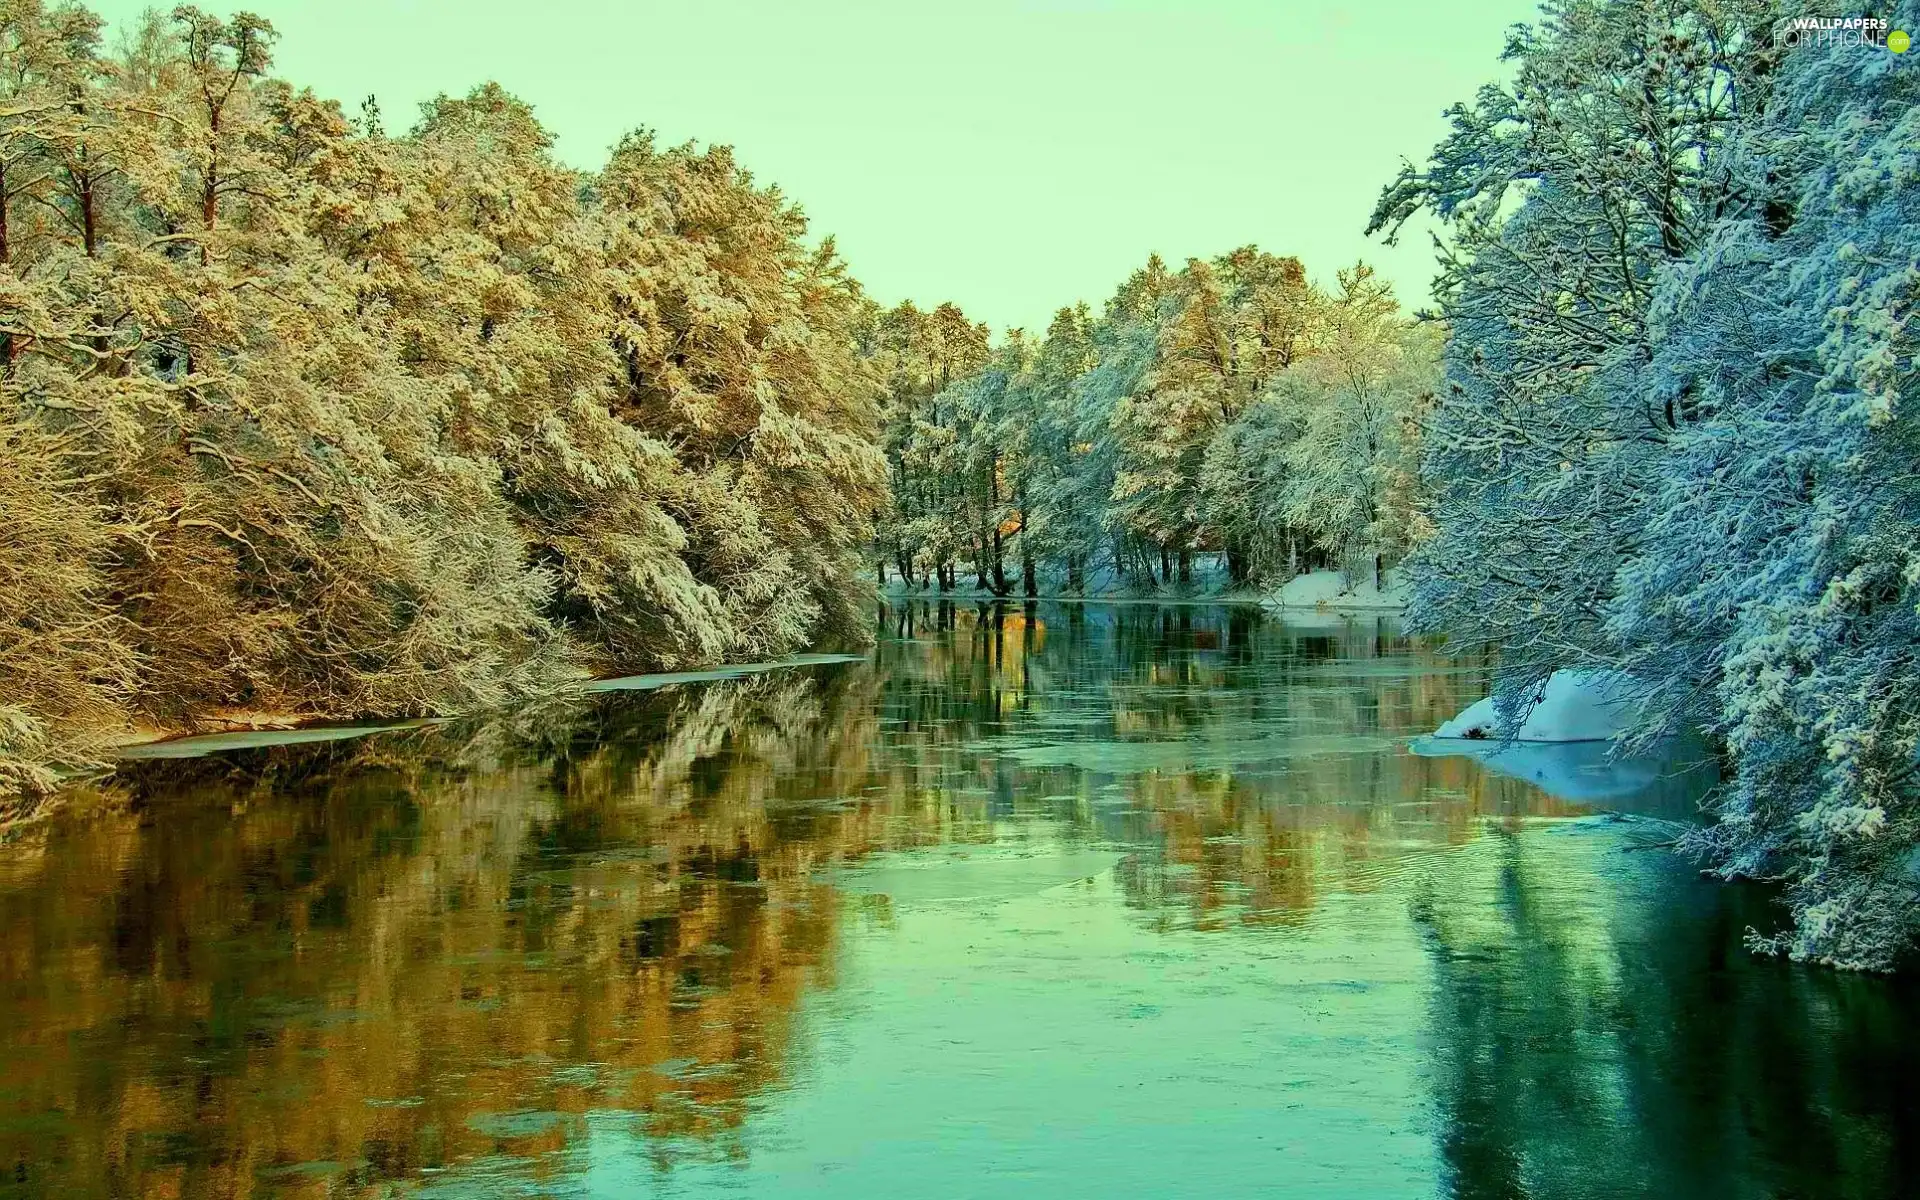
1572	706
260	731
1331	591
1568	742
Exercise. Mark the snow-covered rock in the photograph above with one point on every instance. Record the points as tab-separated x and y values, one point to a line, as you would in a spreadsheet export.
1574	706
1333	590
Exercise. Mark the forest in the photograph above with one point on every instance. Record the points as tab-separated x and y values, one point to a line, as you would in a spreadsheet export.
305	418
301	418
1681	260
1230	409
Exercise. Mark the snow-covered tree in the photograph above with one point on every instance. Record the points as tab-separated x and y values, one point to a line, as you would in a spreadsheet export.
1775	592
918	355
1562	194
1673	440
1169	427
1352	469
327	422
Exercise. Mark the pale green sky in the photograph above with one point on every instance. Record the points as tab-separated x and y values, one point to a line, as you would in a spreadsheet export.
1012	155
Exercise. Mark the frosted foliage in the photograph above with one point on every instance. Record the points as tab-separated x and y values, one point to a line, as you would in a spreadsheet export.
1786	514
332	423
1699	469
1229	409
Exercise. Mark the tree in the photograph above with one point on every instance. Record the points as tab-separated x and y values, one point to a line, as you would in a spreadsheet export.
1065	488
1352	477
1672	438
1774	593
919	355
1563	193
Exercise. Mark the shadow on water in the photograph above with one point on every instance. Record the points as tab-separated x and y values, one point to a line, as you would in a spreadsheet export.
1088	899
1603	1033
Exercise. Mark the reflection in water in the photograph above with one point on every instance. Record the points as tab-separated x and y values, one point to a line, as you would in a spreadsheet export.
1667	782
1048	900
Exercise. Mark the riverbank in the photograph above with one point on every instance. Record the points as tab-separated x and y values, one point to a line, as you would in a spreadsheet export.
242	729
1335	591
1315	591
250	730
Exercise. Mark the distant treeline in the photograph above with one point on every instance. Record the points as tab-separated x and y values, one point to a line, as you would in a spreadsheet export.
1230	408
297	417
1678	434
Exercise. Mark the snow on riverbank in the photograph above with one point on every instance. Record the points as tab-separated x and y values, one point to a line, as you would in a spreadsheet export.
1566	746
1332	590
1574	706
1316	591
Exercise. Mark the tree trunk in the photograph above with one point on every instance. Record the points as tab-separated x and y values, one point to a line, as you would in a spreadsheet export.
1029	574
1236	566
1186	564
8	351
210	194
999	565
90	219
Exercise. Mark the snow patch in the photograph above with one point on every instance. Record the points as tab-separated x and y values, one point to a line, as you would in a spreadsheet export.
1333	590
1574	706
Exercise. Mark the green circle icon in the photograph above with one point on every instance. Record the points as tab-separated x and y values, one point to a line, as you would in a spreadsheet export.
1898	41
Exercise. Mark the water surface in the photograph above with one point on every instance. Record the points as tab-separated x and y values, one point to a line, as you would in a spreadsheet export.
1055	901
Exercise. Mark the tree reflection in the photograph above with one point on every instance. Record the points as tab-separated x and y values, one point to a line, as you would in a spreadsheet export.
365	953
1594	1035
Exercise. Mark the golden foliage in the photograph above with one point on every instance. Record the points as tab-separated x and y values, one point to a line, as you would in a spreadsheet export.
331	423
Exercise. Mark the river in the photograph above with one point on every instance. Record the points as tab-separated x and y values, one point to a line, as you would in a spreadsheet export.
1058	900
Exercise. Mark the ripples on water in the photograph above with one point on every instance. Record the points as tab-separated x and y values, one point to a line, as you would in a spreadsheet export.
1066	900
